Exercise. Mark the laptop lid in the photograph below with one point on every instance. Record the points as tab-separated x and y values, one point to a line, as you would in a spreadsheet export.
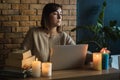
69	56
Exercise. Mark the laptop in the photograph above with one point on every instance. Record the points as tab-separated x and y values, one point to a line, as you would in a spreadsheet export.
68	56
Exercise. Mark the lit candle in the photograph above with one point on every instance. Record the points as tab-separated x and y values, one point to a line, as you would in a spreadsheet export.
47	69
105	59
97	61
36	68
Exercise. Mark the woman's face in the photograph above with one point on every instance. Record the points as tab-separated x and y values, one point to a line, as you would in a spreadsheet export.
55	18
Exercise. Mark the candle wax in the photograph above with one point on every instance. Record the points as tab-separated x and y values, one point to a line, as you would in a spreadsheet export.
36	68
105	61
47	69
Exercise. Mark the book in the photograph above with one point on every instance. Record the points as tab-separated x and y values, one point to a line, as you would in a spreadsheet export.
13	73
13	68
28	61
20	54
19	63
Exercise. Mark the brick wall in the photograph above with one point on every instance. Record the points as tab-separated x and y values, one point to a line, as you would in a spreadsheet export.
17	16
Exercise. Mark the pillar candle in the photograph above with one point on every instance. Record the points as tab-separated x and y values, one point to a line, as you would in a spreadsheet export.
105	61
47	69
105	58
97	61
36	68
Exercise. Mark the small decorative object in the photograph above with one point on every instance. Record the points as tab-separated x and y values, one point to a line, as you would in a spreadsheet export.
36	68
46	69
97	61
105	58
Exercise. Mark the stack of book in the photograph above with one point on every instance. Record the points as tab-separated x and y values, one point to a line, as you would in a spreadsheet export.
18	61
13	73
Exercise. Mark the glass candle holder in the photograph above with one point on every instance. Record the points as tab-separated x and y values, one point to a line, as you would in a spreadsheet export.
97	61
46	69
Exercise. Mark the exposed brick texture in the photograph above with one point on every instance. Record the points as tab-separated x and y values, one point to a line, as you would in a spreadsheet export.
17	16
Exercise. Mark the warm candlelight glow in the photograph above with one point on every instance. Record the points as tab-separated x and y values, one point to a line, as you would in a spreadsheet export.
97	61
104	50
47	69
36	68
36	59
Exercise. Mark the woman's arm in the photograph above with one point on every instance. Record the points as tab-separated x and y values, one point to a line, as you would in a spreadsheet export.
68	39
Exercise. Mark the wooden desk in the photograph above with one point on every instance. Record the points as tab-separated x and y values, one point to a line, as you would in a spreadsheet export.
111	74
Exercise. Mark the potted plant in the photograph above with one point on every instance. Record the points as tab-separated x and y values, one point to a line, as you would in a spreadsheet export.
101	34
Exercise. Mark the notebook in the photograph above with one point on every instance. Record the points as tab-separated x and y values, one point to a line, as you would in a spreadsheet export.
68	56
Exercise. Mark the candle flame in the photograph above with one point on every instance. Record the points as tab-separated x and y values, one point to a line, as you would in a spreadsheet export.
36	59
104	50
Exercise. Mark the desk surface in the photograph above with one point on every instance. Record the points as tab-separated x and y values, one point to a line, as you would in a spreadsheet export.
84	74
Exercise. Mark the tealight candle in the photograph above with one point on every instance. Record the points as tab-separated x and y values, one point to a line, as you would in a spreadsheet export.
36	68
97	61
47	69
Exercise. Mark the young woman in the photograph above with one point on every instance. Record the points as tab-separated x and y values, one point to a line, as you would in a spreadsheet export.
40	39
